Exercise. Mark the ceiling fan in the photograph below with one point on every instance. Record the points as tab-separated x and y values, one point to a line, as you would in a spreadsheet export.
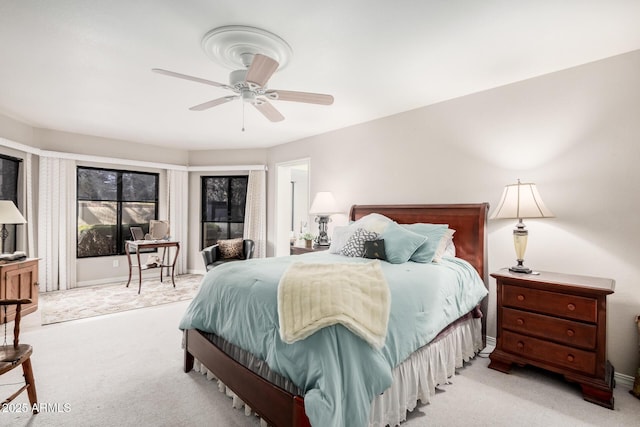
250	85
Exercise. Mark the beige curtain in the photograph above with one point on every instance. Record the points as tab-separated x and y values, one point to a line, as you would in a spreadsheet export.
56	224
31	228
178	214
255	217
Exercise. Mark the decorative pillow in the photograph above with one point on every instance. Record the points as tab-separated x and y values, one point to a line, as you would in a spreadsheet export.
355	245
339	238
442	245
372	222
450	250
433	232
231	248
400	243
374	249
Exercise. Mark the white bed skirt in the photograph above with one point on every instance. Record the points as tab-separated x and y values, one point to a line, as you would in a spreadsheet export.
414	379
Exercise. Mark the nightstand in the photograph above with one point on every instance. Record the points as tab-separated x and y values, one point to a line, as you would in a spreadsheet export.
297	250
557	322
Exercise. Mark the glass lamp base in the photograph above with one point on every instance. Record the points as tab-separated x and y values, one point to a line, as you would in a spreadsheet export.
520	269
322	239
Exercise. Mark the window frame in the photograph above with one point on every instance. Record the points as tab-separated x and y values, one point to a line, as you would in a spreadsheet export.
203	204
12	240
121	236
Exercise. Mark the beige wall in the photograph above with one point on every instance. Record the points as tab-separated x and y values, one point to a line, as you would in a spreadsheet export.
256	156
575	133
96	146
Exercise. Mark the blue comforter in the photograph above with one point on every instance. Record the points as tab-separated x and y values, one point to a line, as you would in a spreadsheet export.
338	371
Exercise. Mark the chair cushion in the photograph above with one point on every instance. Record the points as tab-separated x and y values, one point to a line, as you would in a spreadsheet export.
231	248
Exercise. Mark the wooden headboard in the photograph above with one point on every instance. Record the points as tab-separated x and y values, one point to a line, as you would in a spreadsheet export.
469	221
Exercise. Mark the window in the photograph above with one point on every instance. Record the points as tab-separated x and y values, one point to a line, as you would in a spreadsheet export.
9	167
109	202
223	204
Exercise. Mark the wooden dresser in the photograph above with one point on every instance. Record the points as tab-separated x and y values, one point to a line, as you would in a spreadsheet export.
556	322
19	279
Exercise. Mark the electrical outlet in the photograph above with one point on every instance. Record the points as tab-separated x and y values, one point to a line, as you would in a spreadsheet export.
116	263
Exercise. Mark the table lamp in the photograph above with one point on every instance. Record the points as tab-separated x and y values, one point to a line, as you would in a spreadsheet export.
9	214
323	206
521	200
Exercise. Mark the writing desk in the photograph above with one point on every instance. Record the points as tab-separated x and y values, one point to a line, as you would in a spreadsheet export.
138	245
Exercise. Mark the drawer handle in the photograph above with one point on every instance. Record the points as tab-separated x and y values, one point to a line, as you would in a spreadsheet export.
571	307
520	297
570	358
520	345
570	332
520	322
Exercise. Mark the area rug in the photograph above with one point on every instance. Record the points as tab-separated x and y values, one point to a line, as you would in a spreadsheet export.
79	303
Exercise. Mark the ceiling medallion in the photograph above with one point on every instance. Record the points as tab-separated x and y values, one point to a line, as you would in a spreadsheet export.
233	46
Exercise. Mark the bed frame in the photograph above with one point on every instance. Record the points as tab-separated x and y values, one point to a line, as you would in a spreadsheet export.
280	408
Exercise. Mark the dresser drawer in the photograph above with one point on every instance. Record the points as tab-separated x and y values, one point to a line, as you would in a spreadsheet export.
563	331
550	353
555	304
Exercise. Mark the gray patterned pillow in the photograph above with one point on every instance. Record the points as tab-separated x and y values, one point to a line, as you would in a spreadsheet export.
355	245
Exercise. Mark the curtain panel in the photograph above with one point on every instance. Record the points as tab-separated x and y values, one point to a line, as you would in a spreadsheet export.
29	208
255	217
57	220
178	214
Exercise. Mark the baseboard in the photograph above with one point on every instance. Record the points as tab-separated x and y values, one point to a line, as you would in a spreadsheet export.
491	342
105	281
622	380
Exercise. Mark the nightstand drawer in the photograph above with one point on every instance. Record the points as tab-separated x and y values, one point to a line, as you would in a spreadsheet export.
551	353
559	330
555	304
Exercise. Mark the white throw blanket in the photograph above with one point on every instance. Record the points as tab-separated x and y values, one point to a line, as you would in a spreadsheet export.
313	296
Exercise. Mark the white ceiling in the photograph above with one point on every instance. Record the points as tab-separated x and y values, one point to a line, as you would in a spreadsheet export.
85	66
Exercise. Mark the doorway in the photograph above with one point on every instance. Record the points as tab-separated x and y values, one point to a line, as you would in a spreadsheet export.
292	203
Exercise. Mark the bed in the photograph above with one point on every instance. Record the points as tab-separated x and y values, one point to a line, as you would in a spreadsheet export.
282	404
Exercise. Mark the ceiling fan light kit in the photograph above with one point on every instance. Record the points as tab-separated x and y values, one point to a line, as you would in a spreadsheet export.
254	55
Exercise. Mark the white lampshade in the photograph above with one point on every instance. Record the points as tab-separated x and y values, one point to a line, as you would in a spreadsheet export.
9	213
324	204
521	200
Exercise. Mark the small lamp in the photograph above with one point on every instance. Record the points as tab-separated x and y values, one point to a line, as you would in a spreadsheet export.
323	206
9	214
521	200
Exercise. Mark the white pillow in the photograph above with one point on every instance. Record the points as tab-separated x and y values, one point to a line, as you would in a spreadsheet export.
442	244
372	222
450	250
339	238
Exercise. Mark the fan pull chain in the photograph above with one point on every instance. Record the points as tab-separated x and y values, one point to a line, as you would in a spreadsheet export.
243	116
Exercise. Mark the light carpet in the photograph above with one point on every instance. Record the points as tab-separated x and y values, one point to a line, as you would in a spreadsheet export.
125	369
79	303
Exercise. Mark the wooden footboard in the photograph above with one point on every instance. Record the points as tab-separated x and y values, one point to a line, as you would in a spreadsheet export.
276	406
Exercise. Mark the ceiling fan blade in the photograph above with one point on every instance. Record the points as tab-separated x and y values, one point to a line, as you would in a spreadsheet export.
261	69
289	95
186	77
213	103
269	111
